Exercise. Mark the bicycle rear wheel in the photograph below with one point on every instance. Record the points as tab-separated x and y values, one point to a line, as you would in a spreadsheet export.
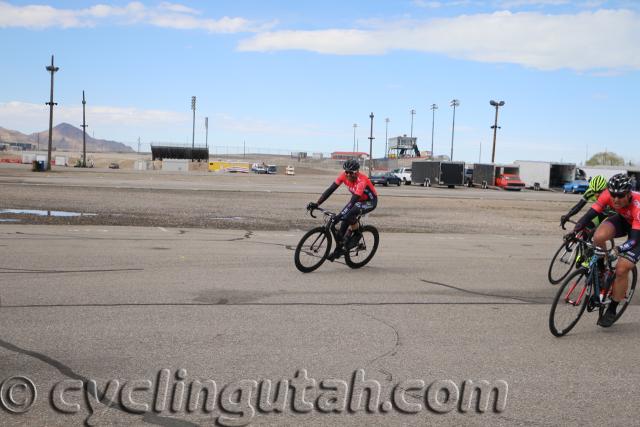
569	303
562	262
622	306
367	246
312	250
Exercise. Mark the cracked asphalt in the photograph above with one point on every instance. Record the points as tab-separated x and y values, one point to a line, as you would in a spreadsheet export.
96	301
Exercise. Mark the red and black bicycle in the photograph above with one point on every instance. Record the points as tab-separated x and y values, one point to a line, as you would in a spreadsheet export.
588	288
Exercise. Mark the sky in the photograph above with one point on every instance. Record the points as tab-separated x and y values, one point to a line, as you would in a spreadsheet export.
285	75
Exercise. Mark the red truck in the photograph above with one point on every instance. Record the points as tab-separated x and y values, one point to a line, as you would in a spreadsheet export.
509	181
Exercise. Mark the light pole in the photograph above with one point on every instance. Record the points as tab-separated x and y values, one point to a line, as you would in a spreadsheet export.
355	125
386	136
495	127
454	103
206	135
193	136
413	113
84	133
371	138
434	107
52	69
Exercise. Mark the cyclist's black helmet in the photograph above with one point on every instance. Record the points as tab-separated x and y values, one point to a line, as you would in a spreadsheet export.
620	183
351	165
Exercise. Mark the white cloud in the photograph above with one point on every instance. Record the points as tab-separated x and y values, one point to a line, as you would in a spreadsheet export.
166	15
35	117
592	40
507	4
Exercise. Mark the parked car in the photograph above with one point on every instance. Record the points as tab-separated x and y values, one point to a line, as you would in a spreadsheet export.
259	168
272	169
577	186
385	178
114	165
290	170
404	174
509	181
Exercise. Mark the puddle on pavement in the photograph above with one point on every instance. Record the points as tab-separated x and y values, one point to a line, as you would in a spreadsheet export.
43	213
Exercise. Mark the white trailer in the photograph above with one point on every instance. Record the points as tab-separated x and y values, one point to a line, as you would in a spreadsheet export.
591	171
532	172
175	165
546	174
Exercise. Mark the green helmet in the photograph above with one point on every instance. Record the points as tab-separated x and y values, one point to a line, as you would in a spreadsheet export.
598	183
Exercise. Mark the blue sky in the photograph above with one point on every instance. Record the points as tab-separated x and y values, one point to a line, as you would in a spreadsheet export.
296	75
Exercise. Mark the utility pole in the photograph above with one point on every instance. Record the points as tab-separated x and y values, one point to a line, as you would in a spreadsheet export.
193	136
206	130
434	107
386	136
138	145
355	125
84	133
52	69
495	127
413	113
480	155
454	103
371	138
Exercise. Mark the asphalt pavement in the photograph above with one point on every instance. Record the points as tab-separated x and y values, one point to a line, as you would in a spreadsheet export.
162	310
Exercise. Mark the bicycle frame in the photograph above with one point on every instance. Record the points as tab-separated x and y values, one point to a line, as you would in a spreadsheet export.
594	287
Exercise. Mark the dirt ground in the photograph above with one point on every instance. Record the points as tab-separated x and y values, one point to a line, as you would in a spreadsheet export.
261	202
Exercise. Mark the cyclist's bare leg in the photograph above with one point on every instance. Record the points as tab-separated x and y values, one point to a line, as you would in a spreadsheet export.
605	232
623	267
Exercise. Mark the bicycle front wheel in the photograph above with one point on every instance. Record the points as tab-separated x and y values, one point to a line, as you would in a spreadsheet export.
622	306
562	262
313	249
569	303
366	248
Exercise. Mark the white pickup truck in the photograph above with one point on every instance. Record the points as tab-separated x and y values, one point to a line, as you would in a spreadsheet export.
404	174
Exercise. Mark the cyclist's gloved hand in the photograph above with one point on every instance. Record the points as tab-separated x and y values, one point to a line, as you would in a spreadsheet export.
311	206
563	221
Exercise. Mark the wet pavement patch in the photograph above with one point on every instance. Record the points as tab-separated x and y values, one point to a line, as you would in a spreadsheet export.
43	213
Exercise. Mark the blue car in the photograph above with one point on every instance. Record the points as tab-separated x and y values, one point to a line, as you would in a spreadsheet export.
577	186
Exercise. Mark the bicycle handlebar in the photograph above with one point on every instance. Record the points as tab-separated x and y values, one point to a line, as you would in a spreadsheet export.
324	211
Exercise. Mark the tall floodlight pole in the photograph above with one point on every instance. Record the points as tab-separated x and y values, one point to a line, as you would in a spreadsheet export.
495	127
434	107
371	138
84	133
386	136
52	69
413	113
355	125
454	103
193	136
138	145
206	130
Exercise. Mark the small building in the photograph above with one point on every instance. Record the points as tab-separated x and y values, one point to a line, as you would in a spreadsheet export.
403	146
346	155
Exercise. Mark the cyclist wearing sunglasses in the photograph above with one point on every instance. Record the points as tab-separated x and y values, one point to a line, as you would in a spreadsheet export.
364	199
626	222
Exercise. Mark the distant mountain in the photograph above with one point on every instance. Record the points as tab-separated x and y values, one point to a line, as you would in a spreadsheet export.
65	137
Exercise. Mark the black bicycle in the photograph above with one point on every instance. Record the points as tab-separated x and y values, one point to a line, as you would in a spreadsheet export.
588	288
315	246
572	253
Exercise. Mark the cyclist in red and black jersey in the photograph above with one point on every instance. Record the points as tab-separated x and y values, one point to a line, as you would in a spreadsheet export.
364	199
626	222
